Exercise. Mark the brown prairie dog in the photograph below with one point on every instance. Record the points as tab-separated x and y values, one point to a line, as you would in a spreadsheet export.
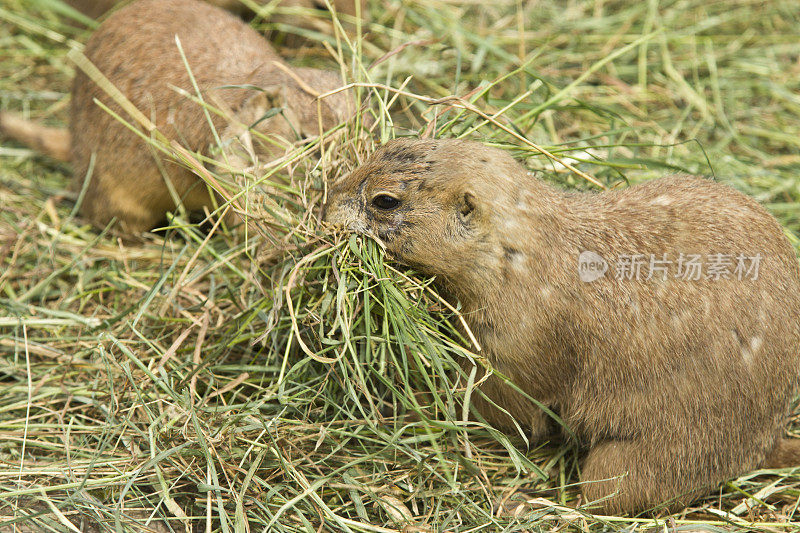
143	61
672	384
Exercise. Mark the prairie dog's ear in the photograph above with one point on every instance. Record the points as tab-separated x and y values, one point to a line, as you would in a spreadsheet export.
466	206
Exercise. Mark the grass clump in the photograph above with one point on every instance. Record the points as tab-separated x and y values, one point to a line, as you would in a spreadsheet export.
289	379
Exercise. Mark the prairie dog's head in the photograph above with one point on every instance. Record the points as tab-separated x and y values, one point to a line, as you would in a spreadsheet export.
335	108
300	114
433	203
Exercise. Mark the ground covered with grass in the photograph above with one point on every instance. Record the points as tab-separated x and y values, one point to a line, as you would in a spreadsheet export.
287	379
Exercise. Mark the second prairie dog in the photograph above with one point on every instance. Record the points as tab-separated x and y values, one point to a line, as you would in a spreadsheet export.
143	61
671	385
135	49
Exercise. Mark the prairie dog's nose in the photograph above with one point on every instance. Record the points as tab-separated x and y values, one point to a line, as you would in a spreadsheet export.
330	212
341	211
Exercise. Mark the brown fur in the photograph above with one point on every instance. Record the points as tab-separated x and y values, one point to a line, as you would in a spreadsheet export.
95	8
143	61
673	386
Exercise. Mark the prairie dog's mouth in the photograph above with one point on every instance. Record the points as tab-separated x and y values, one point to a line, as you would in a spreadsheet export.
378	240
361	228
358	226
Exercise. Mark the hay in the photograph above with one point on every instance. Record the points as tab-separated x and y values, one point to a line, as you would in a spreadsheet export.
286	378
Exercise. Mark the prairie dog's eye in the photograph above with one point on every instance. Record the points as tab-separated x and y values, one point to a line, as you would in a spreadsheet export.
385	202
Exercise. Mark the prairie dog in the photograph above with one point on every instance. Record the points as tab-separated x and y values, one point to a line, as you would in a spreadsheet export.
95	8
142	60
672	384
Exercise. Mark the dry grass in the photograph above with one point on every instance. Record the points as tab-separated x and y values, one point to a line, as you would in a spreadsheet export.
289	380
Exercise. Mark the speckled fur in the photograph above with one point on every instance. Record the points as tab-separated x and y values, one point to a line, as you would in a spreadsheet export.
662	382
